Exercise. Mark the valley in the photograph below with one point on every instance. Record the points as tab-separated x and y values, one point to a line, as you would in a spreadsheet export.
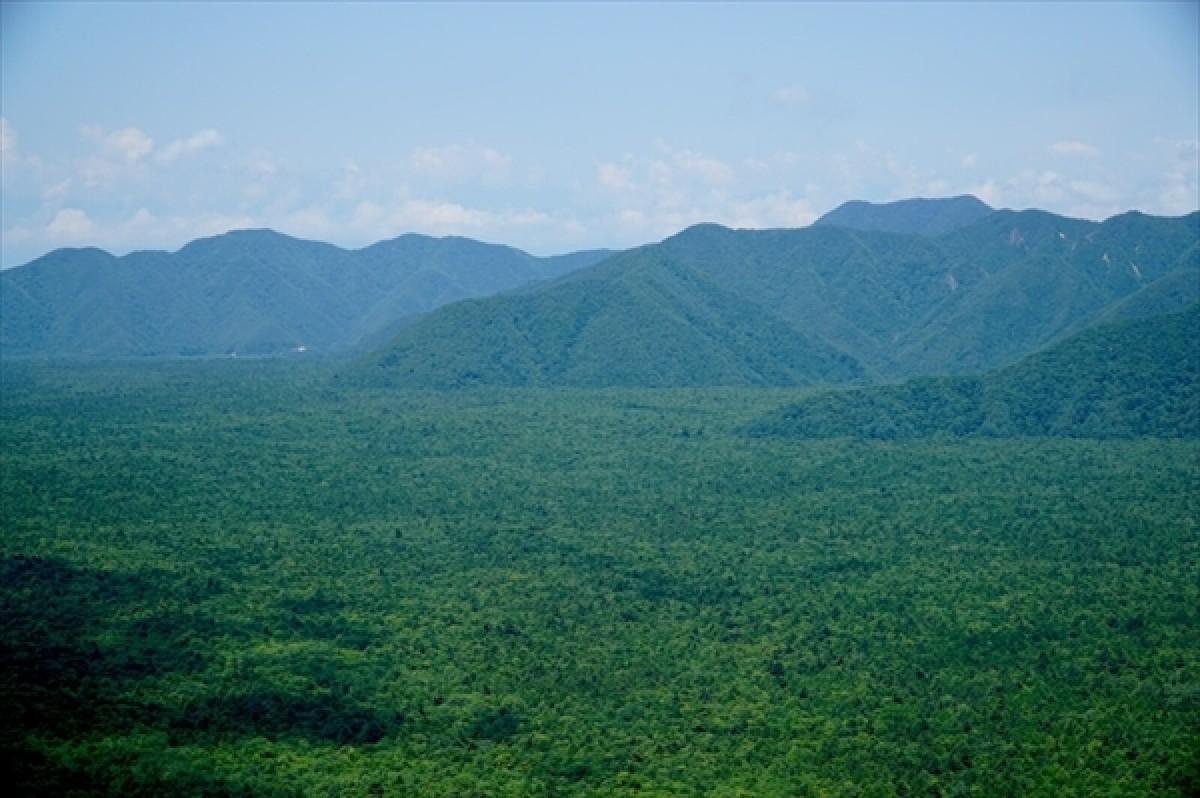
902	503
246	578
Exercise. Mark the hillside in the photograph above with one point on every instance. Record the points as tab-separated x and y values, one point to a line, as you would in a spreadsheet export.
821	305
1131	379
249	292
638	320
922	216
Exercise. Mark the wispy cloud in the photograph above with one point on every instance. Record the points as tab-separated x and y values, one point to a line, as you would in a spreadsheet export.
8	139
120	190
129	143
792	95
708	169
457	162
1074	149
201	140
614	177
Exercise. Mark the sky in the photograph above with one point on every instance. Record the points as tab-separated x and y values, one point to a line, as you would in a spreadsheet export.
556	127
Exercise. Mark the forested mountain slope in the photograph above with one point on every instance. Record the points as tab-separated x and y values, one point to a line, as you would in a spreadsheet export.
826	304
250	292
1131	379
639	319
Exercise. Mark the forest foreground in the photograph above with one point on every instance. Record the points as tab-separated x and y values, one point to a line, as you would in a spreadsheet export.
246	578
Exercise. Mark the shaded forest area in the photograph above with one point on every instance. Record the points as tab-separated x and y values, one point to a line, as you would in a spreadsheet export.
1133	379
239	578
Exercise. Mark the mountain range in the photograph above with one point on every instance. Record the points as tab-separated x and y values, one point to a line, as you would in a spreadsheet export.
869	293
828	304
249	292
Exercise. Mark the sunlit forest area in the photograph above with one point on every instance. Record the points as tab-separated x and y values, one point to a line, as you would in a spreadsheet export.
254	578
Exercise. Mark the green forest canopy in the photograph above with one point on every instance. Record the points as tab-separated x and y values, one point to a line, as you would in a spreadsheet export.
235	578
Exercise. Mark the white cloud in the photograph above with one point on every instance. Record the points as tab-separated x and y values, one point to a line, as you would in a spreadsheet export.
367	215
376	219
456	162
71	224
310	222
614	177
18	234
11	162
351	184
1094	191
211	224
119	154
201	140
937	187
129	143
495	159
8	140
1178	187
1074	149
631	217
435	159
263	164
792	95
777	209
528	218
1039	189
690	163
708	169
56	192
986	191
1177	200
142	219
98	171
1084	197
437	215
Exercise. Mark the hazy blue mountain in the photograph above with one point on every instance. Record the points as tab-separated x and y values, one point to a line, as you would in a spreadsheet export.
714	306
1129	379
923	216
250	292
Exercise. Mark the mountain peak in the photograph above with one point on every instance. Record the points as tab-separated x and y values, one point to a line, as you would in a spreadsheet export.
921	216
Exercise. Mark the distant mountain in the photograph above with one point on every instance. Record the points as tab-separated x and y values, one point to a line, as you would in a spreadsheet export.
249	292
821	305
921	216
1131	379
637	319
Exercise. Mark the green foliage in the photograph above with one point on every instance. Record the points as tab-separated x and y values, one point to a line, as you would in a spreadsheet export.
821	305
640	321
252	292
1133	379
235	578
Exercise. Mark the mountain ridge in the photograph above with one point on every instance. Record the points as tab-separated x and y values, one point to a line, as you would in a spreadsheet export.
884	305
254	291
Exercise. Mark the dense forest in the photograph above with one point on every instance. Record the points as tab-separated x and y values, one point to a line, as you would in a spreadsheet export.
263	578
255	292
1123	380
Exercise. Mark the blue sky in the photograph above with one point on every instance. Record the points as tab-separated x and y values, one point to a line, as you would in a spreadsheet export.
555	127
